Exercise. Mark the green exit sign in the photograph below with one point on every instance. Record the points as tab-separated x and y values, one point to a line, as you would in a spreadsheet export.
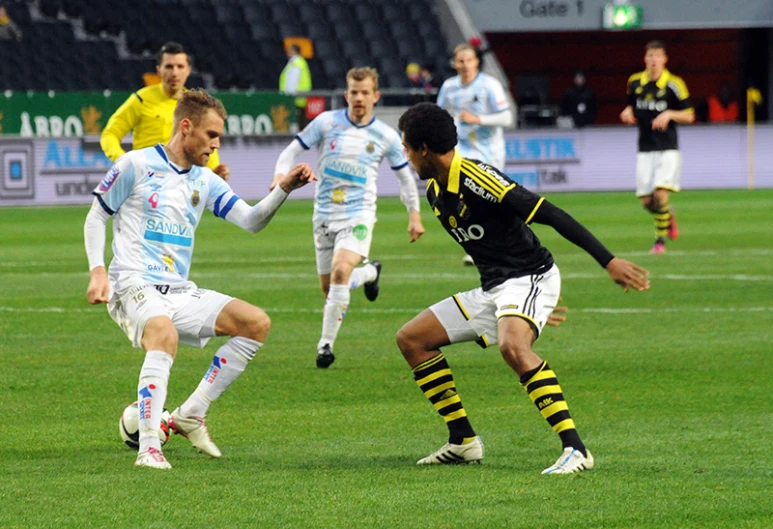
621	16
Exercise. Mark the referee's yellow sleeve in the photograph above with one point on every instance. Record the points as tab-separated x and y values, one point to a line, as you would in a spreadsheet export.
214	159
120	123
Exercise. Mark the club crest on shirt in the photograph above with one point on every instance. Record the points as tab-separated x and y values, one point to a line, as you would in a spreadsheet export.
452	221
195	198
338	196
370	148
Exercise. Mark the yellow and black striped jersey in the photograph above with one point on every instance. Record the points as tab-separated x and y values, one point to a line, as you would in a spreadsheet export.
488	215
650	98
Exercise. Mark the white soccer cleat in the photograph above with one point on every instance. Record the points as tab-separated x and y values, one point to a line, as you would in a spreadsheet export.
152	458
467	260
450	454
571	461
195	430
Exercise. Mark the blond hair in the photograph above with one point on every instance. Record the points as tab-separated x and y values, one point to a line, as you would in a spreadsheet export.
194	104
465	47
362	73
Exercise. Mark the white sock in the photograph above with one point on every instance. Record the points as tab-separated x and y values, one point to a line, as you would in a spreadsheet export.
151	396
228	363
335	309
362	275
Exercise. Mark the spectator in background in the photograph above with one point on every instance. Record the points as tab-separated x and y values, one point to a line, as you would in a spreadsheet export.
8	29
428	78
296	77
412	76
579	101
149	112
723	107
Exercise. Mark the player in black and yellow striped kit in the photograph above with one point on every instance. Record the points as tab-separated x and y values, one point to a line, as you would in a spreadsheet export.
489	215
657	101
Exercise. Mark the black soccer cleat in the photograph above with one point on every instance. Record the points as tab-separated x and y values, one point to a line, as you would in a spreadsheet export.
325	357
371	289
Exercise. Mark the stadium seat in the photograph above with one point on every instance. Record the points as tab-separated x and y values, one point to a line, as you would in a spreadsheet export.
394	12
366	12
228	14
318	31
374	30
263	31
256	13
326	49
50	8
311	14
291	29
283	13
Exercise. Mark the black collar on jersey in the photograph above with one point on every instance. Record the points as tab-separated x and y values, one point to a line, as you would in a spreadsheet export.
662	82
162	152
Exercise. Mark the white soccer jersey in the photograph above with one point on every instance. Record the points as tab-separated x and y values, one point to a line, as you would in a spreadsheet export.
484	95
156	207
348	163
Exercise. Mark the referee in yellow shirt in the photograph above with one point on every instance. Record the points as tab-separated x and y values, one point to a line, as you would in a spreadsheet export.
149	111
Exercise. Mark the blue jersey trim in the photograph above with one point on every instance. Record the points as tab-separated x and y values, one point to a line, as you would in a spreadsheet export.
217	204
223	212
345	176
400	166
369	123
301	142
162	153
102	203
165	237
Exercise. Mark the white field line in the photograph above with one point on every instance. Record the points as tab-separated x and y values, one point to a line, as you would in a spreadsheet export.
412	257
407	310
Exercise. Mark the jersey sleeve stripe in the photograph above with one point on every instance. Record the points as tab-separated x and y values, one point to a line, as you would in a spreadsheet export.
398	167
297	137
487	182
139	97
483	176
217	204
534	211
233	200
104	206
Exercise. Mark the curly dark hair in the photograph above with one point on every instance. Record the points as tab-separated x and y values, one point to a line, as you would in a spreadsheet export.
430	125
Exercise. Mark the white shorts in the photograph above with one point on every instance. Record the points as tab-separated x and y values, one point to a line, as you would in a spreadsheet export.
354	235
658	170
473	315
193	310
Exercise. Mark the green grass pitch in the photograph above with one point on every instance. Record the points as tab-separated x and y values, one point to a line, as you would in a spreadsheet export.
671	388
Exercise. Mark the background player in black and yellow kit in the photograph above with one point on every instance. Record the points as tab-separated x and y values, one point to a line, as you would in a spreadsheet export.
149	112
657	101
489	215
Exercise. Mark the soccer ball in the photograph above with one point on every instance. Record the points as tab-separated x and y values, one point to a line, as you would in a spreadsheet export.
129	426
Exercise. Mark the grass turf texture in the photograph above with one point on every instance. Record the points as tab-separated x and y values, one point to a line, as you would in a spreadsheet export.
670	388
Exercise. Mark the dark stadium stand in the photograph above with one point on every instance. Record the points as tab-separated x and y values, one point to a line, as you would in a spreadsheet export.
236	42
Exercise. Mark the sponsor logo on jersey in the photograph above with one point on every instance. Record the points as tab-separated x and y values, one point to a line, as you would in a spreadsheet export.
651	104
494	173
479	190
156	174
109	179
168	232
195	198
346	171
169	262
370	148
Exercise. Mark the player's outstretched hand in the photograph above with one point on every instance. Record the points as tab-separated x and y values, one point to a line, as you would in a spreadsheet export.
222	171
628	274
99	287
415	227
300	175
557	317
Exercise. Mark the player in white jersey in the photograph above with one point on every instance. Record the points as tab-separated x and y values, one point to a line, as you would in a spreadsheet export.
156	197
352	143
480	109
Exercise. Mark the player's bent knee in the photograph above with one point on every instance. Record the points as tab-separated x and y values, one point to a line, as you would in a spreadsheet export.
407	342
256	325
160	334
